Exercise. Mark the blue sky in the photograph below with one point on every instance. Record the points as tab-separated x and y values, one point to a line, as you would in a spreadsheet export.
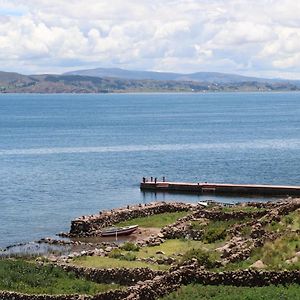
260	38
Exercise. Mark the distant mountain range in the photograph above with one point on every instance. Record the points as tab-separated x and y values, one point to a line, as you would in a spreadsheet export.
113	80
211	77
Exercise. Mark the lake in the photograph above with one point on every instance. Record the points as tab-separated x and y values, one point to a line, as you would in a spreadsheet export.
63	156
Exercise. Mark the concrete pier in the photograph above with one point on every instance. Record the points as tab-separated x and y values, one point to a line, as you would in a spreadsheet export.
220	188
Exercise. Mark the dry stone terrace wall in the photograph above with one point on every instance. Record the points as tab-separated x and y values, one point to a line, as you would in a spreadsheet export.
122	276
238	249
163	285
171	281
273	212
247	278
225	216
181	228
92	225
110	295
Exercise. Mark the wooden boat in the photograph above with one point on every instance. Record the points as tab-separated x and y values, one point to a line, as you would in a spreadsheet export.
202	203
117	231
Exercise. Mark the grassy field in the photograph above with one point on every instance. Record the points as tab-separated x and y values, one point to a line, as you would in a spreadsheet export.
274	255
107	262
277	254
175	248
156	221
241	208
170	248
215	231
25	277
290	221
197	292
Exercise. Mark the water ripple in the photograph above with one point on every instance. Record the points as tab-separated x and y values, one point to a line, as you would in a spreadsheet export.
292	144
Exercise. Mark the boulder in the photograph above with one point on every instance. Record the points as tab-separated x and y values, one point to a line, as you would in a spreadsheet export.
258	265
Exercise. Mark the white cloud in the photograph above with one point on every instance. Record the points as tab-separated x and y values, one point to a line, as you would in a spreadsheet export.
244	36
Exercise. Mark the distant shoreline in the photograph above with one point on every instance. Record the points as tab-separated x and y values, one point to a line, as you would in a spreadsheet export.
154	93
86	84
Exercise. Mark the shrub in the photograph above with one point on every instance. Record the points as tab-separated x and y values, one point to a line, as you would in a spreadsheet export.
203	257
214	234
115	253
130	247
128	256
289	220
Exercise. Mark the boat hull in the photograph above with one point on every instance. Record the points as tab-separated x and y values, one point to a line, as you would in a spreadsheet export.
119	231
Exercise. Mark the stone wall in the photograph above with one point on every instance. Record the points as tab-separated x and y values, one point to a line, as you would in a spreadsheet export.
110	295
160	286
122	276
238	249
171	281
92	225
248	278
182	229
225	216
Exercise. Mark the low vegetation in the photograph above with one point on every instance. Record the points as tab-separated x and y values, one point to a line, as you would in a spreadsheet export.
118	254
26	277
156	221
289	222
130	247
283	253
214	231
108	262
204	258
241	208
179	249
174	247
220	292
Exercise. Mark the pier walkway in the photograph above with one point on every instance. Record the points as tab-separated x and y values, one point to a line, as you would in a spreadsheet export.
220	188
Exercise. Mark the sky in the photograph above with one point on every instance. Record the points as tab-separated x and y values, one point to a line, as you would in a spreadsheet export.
248	37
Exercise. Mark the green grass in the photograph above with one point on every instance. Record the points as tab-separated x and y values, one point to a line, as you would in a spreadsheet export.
156	221
171	248
220	292
25	277
290	222
215	230
107	262
121	258
119	254
204	257
273	254
241	208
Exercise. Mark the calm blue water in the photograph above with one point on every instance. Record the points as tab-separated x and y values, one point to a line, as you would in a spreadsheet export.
62	156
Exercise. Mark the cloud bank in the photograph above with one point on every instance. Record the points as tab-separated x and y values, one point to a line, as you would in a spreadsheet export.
260	38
